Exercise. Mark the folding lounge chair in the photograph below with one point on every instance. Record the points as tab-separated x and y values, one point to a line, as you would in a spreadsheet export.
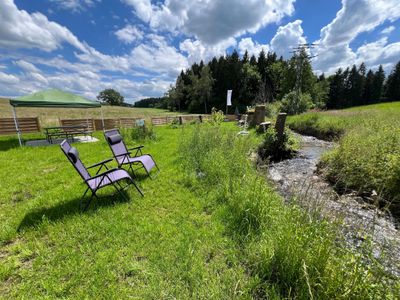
123	155
110	177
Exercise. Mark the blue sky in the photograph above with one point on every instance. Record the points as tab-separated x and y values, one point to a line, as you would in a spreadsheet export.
139	46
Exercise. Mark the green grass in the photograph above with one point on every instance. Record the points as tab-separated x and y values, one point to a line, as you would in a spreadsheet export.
164	245
368	155
209	227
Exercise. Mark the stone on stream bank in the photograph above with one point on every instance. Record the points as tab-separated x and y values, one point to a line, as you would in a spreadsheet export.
297	180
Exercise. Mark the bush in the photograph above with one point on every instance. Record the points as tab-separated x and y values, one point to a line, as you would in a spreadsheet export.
141	133
217	116
275	149
290	253
292	106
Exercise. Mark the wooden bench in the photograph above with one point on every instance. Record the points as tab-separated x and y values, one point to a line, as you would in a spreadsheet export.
26	125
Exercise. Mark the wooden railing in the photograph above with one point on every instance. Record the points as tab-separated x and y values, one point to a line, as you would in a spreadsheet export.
26	125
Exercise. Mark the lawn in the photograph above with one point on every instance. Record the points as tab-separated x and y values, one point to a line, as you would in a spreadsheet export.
367	159
164	245
208	227
50	116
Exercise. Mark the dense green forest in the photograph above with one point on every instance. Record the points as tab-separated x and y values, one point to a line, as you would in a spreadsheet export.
268	78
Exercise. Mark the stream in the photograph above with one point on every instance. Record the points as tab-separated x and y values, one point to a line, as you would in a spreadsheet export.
296	178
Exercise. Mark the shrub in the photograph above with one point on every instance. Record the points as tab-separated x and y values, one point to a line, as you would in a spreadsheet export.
217	116
293	106
274	148
141	133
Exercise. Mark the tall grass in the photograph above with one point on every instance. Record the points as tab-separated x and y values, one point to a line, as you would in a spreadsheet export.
368	156
290	253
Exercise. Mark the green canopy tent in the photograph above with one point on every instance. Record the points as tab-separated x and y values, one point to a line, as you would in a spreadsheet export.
51	98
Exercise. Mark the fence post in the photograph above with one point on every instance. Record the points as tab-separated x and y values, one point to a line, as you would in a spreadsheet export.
180	120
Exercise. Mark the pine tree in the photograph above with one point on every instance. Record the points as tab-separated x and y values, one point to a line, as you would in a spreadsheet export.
377	90
393	84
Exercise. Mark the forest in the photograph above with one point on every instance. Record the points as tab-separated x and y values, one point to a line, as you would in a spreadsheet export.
268	78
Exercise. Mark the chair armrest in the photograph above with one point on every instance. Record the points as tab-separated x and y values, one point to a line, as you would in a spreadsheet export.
123	154
100	163
102	174
134	148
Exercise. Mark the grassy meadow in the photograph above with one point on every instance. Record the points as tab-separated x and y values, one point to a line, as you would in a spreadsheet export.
50	116
368	156
208	227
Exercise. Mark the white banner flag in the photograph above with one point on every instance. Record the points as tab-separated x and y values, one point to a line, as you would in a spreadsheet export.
228	98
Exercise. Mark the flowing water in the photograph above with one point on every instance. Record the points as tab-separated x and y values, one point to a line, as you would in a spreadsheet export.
296	178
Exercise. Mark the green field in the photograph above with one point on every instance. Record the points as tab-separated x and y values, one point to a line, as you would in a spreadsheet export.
368	156
50	116
209	227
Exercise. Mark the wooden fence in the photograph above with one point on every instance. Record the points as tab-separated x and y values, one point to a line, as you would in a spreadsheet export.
78	122
26	125
97	124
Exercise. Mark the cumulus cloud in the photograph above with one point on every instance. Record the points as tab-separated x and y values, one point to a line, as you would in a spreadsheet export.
287	37
253	48
211	21
197	51
354	18
19	29
129	34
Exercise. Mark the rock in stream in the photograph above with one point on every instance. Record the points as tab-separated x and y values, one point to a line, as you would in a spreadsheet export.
296	179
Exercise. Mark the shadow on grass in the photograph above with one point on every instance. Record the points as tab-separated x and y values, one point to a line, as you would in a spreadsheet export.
70	208
8	143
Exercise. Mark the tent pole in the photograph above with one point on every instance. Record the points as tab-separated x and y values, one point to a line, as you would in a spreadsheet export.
17	126
102	117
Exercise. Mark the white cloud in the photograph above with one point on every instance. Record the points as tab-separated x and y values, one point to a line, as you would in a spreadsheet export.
287	37
379	52
158	57
8	78
26	66
20	29
129	34
355	17
253	48
388	30
75	5
197	51
211	21
143	8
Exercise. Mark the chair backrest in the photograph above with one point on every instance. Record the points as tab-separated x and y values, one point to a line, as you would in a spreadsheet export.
116	143
73	156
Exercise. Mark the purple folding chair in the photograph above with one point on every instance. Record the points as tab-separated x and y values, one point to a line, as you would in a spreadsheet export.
110	177
123	155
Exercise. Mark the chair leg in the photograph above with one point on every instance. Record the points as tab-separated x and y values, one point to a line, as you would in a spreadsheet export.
119	192
133	182
89	201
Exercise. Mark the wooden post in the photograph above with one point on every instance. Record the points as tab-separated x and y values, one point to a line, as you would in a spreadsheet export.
280	125
259	115
180	120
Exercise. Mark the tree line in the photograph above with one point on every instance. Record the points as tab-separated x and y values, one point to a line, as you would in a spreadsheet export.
268	78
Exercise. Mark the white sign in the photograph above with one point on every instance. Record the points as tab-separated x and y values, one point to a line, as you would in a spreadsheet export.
228	98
